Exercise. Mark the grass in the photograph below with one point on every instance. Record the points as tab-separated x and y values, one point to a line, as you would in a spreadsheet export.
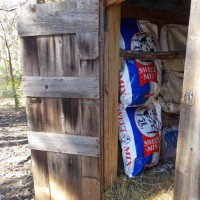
153	184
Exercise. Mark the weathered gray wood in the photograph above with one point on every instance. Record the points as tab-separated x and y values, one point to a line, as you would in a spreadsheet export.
90	109
88	3
152	55
61	171
187	174
88	44
59	56
35	120
62	143
65	87
55	6
101	75
60	22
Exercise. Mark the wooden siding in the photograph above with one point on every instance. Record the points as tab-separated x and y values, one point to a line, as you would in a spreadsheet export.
57	175
63	143
64	87
59	22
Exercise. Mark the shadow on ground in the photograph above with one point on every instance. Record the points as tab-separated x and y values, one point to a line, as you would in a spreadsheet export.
16	181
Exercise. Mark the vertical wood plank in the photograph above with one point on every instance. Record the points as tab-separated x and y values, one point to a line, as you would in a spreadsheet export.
34	113
93	192
187	174
30	56
90	109
58	57
39	159
101	78
88	45
113	16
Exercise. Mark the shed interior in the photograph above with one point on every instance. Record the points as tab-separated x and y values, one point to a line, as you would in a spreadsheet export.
159	12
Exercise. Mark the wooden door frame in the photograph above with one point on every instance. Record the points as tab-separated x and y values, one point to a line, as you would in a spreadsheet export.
188	159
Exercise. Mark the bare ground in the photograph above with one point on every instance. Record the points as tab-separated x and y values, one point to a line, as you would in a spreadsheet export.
15	165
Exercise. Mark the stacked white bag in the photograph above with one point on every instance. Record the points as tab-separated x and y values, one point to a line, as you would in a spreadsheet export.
140	80
173	38
139	115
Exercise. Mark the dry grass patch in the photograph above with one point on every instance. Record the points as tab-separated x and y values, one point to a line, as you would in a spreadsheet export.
154	184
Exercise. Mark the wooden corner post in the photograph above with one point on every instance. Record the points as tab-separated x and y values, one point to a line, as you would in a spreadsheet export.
111	74
187	178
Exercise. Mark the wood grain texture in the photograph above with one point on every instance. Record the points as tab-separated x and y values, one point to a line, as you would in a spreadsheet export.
60	56
63	87
88	3
187	174
153	15
152	55
59	22
113	17
56	115
111	2
54	7
88	44
101	71
90	109
106	111
34	115
62	143
94	192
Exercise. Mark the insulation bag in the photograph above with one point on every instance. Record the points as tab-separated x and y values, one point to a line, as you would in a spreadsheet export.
140	80
171	92
172	38
139	135
169	143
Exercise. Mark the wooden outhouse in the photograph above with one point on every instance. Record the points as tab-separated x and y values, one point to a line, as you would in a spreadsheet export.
70	56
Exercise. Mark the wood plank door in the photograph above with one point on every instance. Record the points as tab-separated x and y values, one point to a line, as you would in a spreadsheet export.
61	67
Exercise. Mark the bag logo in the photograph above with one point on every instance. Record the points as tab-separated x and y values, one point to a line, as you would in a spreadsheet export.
143	41
145	120
146	68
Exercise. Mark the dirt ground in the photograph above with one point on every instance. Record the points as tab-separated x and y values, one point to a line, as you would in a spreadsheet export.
16	181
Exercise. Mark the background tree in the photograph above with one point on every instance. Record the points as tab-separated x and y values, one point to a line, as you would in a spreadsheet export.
9	53
10	68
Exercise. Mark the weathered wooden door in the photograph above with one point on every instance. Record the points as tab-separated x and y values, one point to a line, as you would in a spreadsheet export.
61	67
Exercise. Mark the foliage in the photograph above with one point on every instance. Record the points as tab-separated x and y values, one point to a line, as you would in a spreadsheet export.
6	83
10	68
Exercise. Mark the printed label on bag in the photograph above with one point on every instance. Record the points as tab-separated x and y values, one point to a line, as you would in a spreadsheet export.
145	119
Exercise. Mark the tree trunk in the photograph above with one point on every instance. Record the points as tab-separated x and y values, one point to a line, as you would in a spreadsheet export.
12	79
9	61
